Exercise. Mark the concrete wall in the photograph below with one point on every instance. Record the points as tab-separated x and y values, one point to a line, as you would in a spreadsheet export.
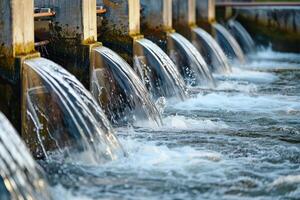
279	26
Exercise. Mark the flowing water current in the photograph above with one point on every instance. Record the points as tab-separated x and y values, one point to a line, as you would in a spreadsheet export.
239	140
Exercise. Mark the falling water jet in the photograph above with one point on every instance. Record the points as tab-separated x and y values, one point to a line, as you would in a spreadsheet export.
63	115
119	90
214	53
230	46
190	62
242	36
21	177
157	70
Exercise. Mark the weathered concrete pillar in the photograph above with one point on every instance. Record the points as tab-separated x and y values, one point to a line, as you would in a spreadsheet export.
16	44
184	16
206	14
156	15
156	21
121	26
206	10
73	33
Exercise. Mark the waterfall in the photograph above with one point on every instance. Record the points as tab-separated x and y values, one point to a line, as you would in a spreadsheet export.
61	114
242	36
230	46
157	70
21	177
213	51
190	62
125	94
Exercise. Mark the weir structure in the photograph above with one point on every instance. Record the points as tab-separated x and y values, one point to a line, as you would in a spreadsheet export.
16	45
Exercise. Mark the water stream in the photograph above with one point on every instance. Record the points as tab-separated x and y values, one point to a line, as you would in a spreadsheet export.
190	62
20	176
212	51
229	44
119	90
158	72
242	36
61	114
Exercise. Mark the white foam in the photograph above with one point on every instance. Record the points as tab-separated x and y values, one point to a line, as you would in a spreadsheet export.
177	123
152	158
273	55
240	102
267	59
241	86
248	75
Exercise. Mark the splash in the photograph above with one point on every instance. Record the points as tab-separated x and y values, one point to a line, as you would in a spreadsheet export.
125	95
63	115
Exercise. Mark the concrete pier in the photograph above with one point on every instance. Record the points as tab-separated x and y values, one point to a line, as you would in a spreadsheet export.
16	44
73	34
206	10
157	21
205	14
184	17
120	26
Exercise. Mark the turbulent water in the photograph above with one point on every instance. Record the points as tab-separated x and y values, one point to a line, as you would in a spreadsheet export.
240	140
229	44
